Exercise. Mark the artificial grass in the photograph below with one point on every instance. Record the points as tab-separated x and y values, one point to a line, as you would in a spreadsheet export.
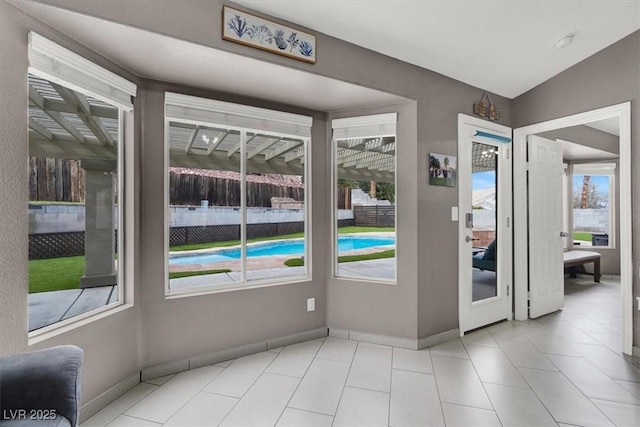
55	274
298	262
178	274
580	235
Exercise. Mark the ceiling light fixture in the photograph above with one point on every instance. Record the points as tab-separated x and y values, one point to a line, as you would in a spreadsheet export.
565	41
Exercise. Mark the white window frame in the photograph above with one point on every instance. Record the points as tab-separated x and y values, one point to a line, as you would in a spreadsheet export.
370	126
598	169
50	61
242	118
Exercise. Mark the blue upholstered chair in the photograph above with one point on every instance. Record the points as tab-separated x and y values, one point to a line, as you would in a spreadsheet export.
41	388
486	260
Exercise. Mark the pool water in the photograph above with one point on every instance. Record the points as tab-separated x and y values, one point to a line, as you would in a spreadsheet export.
294	247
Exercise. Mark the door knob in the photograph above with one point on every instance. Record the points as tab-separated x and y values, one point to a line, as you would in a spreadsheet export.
469	239
564	234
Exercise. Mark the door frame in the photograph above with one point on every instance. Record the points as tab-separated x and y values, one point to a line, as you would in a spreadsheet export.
467	128
521	262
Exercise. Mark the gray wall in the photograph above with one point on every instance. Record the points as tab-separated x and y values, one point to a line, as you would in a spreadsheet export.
157	330
584	135
609	77
111	344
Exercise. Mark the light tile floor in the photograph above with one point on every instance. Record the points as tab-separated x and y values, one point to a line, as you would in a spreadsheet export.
562	369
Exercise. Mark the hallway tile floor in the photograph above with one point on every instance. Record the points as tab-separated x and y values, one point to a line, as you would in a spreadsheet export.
562	369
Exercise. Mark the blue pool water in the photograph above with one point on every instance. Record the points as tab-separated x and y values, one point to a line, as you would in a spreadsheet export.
284	247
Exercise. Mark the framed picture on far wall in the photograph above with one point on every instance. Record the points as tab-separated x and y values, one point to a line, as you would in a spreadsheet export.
443	169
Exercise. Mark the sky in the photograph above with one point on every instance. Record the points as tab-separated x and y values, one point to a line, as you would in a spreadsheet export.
601	182
482	180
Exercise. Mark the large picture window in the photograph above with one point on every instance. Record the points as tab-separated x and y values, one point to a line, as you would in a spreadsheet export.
237	195
592	204
77	114
364	171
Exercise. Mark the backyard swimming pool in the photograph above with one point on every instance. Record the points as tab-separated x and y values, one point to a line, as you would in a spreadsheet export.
293	247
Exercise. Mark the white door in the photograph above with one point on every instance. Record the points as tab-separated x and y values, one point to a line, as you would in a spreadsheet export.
484	232
546	265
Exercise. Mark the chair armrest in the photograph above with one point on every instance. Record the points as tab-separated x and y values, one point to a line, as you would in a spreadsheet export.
47	380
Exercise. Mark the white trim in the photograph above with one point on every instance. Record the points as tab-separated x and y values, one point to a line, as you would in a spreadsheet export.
187	108
623	113
55	63
361	127
100	402
180	108
500	306
365	126
601	169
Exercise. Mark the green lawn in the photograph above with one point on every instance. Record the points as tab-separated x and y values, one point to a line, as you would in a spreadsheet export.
179	274
581	235
297	262
55	274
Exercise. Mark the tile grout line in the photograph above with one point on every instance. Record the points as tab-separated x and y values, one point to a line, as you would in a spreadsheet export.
299	382
345	382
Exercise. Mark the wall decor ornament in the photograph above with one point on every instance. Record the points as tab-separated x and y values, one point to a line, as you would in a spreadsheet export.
250	30
486	110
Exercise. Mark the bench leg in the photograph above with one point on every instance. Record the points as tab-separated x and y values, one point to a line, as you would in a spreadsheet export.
596	270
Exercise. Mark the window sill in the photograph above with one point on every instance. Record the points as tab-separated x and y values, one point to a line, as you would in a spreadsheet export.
232	287
59	328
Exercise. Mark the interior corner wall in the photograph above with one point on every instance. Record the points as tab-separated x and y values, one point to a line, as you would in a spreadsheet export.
609	77
385	308
111	343
187	326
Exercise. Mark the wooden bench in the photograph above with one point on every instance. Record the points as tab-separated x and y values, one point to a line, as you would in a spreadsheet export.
575	260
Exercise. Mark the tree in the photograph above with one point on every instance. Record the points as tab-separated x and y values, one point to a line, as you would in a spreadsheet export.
446	166
587	196
434	165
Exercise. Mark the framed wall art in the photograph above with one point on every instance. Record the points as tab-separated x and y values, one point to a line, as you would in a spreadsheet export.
443	169
250	30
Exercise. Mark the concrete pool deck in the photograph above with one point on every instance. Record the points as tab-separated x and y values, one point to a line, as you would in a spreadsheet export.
46	308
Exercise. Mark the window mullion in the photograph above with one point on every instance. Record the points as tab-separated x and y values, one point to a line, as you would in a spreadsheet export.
243	205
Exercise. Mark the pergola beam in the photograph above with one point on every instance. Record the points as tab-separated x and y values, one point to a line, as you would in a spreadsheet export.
290	145
192	137
84	112
37	127
217	142
62	107
292	155
268	143
38	100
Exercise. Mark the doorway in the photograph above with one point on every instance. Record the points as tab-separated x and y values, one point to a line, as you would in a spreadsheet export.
528	286
484	230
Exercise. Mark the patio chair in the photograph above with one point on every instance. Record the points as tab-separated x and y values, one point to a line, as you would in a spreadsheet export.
486	260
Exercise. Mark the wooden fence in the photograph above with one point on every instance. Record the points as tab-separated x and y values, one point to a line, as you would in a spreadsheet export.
186	189
375	216
61	180
56	180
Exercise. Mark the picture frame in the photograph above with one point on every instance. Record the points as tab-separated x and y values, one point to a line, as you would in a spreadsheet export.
250	30
443	169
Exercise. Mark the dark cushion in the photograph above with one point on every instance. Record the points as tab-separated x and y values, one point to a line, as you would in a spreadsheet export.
490	253
45	383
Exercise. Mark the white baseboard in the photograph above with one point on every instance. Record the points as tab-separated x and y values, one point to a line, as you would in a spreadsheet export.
438	338
91	408
409	343
229	353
